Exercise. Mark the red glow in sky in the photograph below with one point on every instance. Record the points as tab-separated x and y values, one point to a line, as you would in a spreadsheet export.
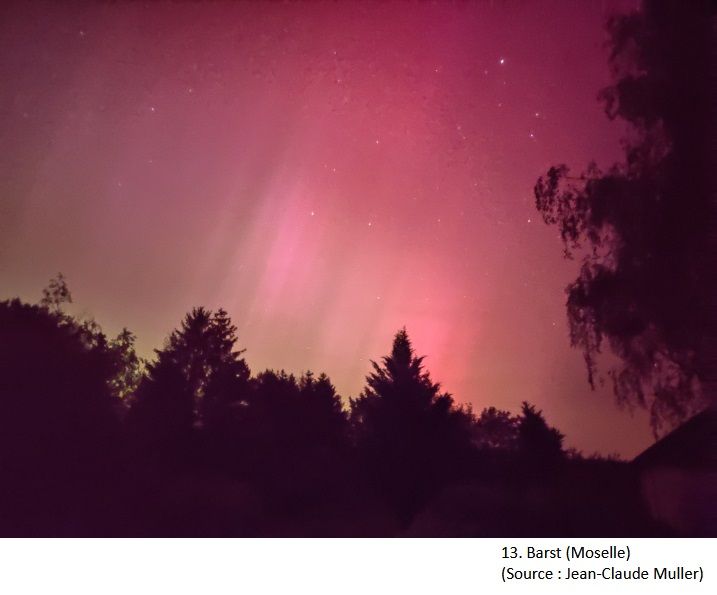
327	172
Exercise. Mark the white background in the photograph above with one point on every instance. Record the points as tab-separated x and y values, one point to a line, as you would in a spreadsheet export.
327	566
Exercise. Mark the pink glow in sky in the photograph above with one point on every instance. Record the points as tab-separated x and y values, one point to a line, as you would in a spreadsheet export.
327	172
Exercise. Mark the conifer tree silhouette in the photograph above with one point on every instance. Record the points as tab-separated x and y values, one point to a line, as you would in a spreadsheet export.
288	422
537	440
410	434
193	382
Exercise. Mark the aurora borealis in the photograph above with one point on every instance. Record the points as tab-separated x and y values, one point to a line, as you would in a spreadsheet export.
327	172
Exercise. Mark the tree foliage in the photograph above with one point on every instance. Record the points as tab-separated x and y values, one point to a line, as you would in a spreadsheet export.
496	429
203	353
55	294
293	428
536	439
642	227
54	389
411	433
93	437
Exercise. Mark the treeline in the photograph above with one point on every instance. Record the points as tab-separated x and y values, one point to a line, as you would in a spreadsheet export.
95	440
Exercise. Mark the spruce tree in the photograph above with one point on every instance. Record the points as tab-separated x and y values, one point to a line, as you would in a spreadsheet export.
409	433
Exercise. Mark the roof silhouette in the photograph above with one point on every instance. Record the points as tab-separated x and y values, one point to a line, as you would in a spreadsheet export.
691	445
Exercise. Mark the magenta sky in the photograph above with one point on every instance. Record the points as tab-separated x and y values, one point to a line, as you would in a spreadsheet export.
325	172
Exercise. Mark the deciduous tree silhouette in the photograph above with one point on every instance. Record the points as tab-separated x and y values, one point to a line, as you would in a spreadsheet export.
129	367
496	429
55	294
645	228
412	437
58	430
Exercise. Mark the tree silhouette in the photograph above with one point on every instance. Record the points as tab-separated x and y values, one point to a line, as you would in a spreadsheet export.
496	429
536	439
53	382
55	294
269	422
285	417
129	367
213	451
58	425
162	416
322	413
202	353
645	227
410	434
194	384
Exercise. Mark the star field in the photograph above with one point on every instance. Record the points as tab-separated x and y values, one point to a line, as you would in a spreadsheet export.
326	172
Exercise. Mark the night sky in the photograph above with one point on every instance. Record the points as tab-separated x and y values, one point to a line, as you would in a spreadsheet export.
326	172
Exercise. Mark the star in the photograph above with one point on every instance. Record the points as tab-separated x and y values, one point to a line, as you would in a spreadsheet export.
501	61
